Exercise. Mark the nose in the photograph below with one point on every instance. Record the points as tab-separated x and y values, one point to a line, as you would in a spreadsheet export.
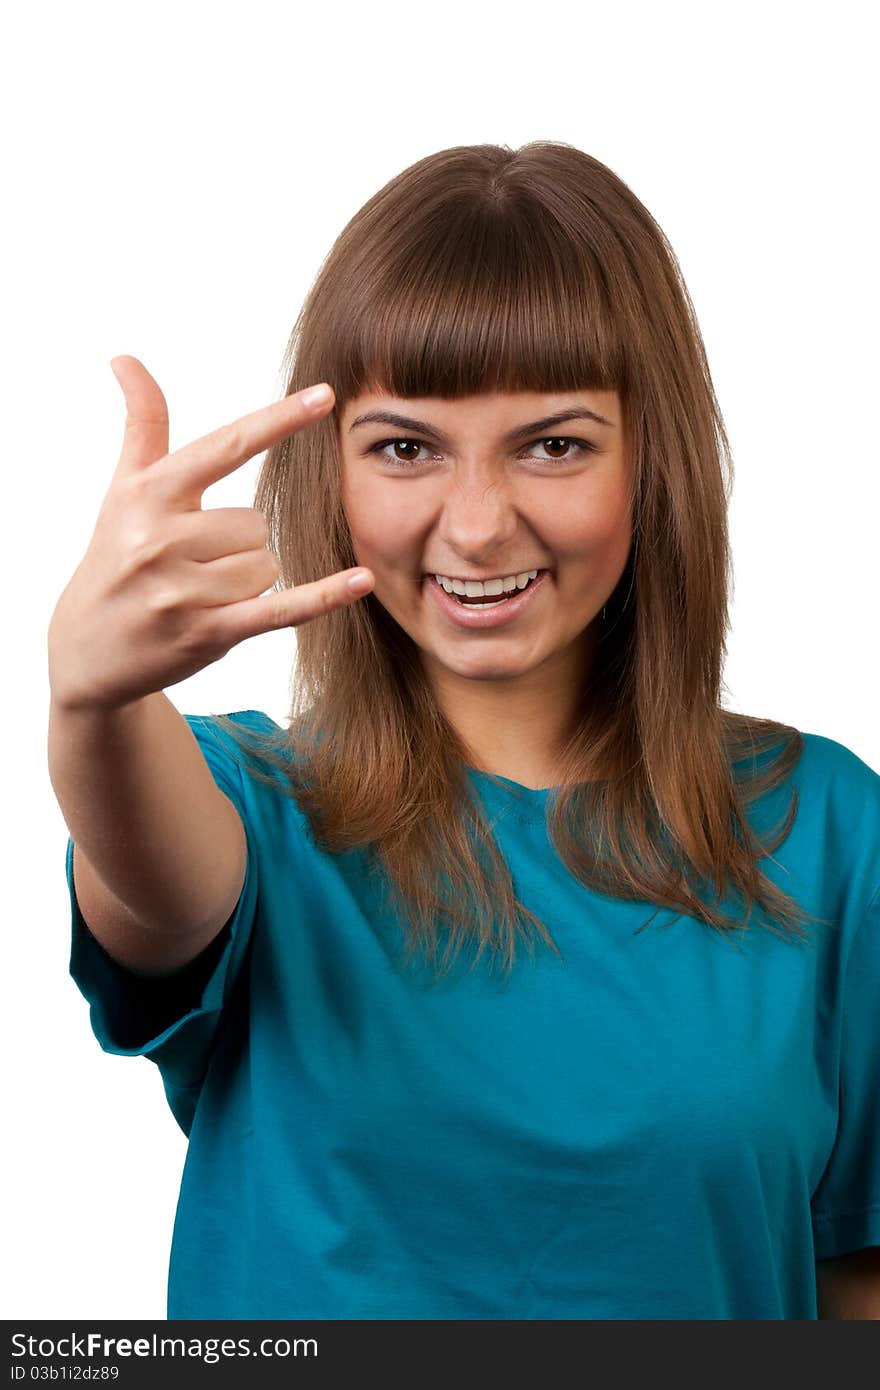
478	518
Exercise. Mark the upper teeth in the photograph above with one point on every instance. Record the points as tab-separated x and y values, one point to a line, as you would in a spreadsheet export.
473	588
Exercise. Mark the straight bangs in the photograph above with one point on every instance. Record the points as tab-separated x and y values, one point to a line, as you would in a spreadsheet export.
490	296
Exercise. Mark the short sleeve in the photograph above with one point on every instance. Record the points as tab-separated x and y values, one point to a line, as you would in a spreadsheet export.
172	1020
846	1203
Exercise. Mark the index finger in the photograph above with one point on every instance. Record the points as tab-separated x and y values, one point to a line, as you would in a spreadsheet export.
193	468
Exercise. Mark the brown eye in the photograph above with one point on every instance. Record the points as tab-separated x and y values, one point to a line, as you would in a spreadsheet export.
403	461
582	447
556	439
406	444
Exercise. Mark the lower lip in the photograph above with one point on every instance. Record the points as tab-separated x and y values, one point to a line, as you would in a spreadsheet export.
466	615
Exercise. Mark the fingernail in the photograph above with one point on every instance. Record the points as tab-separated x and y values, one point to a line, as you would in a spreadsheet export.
316	395
360	582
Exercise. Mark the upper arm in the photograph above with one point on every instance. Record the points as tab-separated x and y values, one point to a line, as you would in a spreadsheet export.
148	951
848	1286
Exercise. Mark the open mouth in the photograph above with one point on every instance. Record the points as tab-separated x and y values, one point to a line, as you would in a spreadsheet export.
489	610
489	600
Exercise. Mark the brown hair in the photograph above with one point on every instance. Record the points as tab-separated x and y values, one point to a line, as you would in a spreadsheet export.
482	268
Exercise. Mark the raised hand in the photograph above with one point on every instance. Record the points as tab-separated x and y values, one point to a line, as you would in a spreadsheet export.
165	587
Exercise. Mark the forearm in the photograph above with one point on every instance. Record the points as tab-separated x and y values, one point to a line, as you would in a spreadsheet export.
143	809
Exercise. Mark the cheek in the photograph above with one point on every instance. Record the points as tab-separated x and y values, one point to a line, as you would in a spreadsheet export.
361	511
381	521
612	534
594	530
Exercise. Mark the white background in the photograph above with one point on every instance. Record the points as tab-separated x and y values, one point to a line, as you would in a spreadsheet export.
174	175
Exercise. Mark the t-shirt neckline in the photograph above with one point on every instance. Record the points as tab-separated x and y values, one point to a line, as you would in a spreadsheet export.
529	802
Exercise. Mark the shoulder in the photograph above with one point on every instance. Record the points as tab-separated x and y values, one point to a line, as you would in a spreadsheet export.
831	756
251	720
240	730
836	772
839	820
246	750
828	796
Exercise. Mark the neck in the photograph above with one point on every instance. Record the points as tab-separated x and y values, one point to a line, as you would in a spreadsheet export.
517	726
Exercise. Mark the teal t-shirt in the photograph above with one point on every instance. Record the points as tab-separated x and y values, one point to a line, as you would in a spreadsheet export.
657	1125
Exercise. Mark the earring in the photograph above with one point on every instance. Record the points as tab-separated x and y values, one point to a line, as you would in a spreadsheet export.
603	613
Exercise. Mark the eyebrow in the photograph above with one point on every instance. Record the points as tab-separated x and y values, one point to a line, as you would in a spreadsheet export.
406	422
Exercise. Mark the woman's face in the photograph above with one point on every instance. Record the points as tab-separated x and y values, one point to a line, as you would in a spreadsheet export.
490	487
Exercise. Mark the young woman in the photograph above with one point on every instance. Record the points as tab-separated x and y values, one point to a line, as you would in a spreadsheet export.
517	977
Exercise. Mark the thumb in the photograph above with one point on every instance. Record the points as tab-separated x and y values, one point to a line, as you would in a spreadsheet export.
146	418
